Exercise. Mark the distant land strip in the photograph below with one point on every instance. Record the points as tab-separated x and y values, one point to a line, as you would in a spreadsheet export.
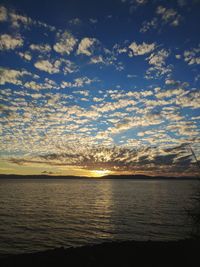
121	177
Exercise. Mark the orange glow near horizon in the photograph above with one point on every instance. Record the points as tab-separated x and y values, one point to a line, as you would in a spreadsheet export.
100	173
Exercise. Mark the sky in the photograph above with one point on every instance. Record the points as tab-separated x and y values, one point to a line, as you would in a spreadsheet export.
92	88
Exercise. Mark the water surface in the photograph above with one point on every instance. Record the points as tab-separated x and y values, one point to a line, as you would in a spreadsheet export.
42	214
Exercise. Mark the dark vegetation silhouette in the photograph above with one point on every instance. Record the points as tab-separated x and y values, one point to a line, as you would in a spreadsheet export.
195	212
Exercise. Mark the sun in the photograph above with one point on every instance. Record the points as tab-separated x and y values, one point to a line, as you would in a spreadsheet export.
100	173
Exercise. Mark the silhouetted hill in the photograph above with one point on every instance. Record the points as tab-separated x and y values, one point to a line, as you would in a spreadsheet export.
144	177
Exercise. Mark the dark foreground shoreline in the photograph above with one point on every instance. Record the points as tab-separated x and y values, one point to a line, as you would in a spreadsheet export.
123	254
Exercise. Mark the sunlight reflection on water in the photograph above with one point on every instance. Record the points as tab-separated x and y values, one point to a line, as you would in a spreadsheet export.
41	214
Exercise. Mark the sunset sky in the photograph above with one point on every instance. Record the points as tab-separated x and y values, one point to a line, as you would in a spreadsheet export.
99	87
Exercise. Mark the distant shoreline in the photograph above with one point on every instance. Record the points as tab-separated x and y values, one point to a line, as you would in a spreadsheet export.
112	177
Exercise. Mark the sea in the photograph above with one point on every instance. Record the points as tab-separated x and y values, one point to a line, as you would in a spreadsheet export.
40	214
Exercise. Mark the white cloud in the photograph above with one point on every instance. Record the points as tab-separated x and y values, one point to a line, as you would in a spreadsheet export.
141	49
169	15
43	48
33	85
78	82
93	21
178	56
98	99
170	93
86	46
191	100
47	66
25	55
8	42
65	84
75	21
158	62
158	58
82	92
3	13
192	56
68	66
48	84
134	4
65	43
148	25
97	60
141	2
171	82
129	123
17	20
12	76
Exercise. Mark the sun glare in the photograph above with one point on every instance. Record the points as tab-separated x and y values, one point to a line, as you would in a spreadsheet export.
100	173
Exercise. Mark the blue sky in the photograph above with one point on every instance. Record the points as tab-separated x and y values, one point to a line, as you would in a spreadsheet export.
99	87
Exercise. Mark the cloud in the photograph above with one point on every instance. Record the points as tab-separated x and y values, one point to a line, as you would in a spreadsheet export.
26	55
18	20
158	62
71	136
170	93
48	84
33	85
171	82
74	119
169	15
93	21
68	66
8	42
141	2
98	99
141	49
191	100
149	25
78	82
178	56
82	92
47	66
3	13
98	53
12	76
43	48
75	21
147	160
158	59
97	60
65	43
134	4
64	65
127	124
192	56
86	46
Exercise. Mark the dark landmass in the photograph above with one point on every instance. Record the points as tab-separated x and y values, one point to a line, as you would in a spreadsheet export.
144	177
123	254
